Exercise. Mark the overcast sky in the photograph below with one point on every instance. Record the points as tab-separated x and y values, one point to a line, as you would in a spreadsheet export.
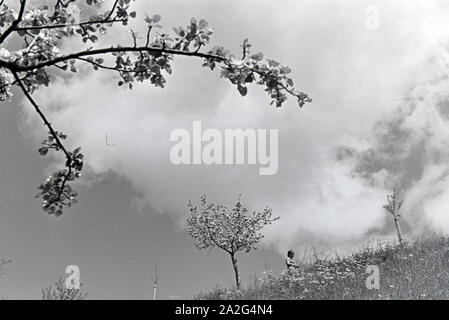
379	119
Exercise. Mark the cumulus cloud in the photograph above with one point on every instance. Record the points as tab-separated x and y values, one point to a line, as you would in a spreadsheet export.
378	118
411	147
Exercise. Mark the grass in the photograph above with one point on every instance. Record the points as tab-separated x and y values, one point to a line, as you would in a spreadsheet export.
417	270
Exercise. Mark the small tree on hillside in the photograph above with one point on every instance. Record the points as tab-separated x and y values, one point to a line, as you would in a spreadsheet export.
233	230
393	206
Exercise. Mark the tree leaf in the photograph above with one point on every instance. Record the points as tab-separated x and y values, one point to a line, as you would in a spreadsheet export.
243	90
43	151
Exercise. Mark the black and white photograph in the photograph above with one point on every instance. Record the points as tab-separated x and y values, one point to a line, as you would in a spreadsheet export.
205	151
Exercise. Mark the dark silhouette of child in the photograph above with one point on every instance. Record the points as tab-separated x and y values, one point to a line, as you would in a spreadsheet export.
290	261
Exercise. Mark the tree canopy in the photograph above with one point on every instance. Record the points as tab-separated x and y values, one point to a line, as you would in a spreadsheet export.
41	32
214	226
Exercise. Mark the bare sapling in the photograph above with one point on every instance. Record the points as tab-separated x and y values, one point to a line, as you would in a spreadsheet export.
393	206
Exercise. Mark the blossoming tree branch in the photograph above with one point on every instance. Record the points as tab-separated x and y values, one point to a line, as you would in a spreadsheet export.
41	32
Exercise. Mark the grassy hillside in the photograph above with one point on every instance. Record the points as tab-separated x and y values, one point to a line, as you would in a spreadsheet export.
419	270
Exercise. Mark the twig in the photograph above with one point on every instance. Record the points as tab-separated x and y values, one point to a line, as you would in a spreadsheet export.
154	50
56	26
15	23
112	10
52	132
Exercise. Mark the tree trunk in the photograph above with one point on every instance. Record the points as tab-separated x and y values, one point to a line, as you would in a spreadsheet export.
236	271
398	229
